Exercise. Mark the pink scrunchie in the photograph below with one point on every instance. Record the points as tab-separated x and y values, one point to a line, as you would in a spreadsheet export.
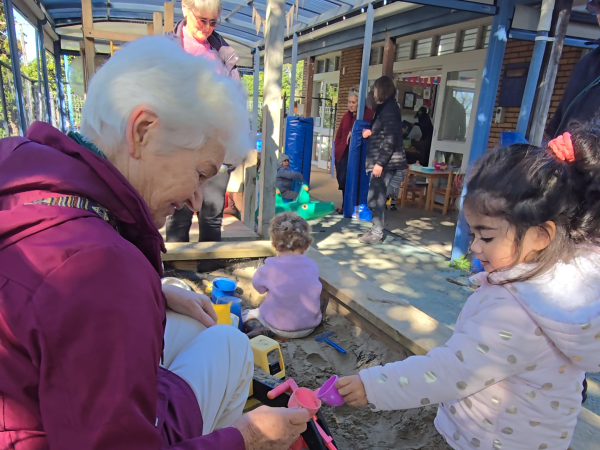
562	146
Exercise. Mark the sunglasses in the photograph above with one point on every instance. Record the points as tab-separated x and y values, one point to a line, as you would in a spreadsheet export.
207	22
593	7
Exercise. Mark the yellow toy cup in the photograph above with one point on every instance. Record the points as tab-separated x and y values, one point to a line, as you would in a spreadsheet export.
223	314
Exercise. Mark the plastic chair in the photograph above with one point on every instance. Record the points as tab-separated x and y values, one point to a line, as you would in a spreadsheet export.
451	193
412	193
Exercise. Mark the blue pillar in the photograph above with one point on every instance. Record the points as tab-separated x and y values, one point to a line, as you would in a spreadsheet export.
485	108
15	62
535	66
60	87
42	48
256	80
366	56
293	77
69	96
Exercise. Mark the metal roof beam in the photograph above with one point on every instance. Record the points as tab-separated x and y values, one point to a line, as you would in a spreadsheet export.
239	23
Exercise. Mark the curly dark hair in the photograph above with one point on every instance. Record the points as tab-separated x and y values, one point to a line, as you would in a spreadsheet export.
290	232
529	186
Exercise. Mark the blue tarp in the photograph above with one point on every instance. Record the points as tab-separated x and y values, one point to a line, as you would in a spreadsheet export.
298	147
357	179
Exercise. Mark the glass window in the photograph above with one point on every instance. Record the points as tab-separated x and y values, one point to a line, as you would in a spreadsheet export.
375	56
330	65
446	44
320	66
469	40
488	33
423	49
458	105
403	51
337	63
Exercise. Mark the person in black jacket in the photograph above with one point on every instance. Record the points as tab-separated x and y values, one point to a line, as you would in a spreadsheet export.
581	101
386	154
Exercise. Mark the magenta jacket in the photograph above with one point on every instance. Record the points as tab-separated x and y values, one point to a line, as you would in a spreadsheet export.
82	312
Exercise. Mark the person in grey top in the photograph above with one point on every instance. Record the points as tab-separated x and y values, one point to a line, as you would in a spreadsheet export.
285	178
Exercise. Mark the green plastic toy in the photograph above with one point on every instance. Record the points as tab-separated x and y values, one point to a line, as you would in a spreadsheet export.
303	206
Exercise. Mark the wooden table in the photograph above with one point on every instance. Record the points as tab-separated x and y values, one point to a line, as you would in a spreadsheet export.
431	177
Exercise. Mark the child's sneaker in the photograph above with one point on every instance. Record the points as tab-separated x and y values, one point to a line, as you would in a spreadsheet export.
254	327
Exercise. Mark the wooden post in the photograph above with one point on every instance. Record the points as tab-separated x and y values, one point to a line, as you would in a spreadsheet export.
169	16
274	35
310	76
539	118
250	170
90	49
150	28
157	20
389	56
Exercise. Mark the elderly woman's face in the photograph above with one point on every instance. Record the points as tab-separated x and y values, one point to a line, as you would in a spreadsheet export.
352	103
200	24
168	180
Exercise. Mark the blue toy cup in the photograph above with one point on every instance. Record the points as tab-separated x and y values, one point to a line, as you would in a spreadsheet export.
222	287
236	307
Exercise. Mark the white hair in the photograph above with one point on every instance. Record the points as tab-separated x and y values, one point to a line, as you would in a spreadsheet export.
191	98
204	6
354	92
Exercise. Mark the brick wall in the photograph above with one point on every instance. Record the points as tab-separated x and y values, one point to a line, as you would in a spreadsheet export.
350	65
519	52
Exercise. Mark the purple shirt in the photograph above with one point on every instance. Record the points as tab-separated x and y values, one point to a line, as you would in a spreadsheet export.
293	300
82	312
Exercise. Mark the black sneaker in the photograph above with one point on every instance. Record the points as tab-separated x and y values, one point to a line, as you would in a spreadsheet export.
254	327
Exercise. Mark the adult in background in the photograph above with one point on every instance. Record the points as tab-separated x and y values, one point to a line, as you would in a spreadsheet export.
94	352
423	145
342	140
386	154
581	101
196	33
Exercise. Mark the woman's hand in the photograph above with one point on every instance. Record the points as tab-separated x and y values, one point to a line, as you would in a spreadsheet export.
191	304
348	139
268	428
377	170
366	133
353	390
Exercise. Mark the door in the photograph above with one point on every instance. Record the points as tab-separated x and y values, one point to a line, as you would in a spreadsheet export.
326	105
455	113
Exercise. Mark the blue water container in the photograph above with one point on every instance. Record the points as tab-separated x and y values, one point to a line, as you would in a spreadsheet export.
236	307
222	287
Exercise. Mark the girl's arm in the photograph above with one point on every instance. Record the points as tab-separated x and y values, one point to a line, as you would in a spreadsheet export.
260	279
286	173
500	340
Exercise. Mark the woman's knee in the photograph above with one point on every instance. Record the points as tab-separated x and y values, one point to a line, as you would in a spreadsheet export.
227	335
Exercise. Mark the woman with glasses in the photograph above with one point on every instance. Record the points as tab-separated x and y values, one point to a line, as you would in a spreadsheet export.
196	33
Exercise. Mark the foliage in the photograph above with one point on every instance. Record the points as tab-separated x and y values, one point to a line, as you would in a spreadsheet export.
461	263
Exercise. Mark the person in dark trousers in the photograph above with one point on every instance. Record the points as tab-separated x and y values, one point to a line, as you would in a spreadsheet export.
581	101
196	33
342	141
286	177
386	154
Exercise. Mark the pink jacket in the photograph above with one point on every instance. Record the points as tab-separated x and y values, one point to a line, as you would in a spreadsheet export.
511	375
82	311
293	300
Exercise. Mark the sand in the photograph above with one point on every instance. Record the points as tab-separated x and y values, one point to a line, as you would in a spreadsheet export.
311	363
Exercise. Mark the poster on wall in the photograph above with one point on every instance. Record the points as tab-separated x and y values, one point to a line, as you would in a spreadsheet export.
418	103
427	93
409	100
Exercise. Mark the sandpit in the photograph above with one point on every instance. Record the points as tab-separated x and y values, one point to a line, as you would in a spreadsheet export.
311	363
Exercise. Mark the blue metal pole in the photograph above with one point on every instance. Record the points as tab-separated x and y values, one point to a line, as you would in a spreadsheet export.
69	96
485	108
293	80
535	66
364	71
15	61
60	87
42	48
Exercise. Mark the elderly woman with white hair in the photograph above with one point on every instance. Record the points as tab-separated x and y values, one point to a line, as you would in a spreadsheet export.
94	352
196	34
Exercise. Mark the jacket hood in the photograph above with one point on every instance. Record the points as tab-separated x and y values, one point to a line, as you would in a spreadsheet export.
565	302
46	163
283	157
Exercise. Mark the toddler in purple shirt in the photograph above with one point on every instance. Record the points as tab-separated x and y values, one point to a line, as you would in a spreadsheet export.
292	306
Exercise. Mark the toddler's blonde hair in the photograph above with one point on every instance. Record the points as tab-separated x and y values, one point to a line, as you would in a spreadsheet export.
290	232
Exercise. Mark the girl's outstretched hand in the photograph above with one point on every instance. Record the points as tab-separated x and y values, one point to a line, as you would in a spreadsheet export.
353	390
